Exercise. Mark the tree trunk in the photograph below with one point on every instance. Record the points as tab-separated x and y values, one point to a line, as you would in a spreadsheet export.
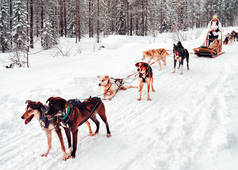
10	19
27	33
37	23
31	25
65	20
161	16
61	19
42	20
90	22
146	17
98	23
143	18
77	20
131	22
127	17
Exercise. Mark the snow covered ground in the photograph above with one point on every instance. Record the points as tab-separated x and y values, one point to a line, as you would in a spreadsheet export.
190	124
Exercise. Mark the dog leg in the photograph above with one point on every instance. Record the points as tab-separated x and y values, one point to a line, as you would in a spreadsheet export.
160	68
65	155
94	119
187	59
75	140
148	89
102	114
89	128
68	135
164	60
175	62
149	60
123	88
140	90
104	94
49	141
112	95
181	70
181	64
127	87
152	84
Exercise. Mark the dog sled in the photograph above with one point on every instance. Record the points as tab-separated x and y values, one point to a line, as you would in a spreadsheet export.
207	51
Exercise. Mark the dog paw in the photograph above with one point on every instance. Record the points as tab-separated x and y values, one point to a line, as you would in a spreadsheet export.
44	154
73	155
139	99
108	135
149	99
173	72
153	90
181	73
95	133
66	156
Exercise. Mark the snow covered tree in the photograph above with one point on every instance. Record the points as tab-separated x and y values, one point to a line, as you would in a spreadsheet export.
90	18
31	24
19	25
50	34
121	22
5	36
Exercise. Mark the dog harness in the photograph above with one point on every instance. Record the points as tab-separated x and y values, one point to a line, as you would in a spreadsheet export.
44	118
82	106
99	101
148	73
118	82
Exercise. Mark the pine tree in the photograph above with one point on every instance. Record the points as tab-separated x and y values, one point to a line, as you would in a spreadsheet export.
5	36
50	32
19	25
121	23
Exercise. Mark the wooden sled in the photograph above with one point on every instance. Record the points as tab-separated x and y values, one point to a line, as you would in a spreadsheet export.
205	51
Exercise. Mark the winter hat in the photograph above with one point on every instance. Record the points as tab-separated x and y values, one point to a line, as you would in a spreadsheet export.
214	17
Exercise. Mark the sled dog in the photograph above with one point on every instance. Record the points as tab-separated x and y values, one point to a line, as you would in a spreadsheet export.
180	53
111	86
78	114
38	110
157	55
145	76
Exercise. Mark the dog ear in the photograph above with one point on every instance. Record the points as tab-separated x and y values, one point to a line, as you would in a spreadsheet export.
137	64
106	76
39	104
146	64
28	101
48	100
99	76
62	103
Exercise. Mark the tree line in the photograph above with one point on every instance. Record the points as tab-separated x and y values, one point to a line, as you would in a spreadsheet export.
21	21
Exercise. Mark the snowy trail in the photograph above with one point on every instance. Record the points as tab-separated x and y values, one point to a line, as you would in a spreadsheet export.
189	124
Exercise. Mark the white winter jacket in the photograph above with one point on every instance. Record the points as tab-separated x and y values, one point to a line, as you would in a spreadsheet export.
214	25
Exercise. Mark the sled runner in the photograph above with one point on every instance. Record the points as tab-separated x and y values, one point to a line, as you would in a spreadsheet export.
212	51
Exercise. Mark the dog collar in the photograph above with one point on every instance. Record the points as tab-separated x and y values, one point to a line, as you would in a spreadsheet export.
67	113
